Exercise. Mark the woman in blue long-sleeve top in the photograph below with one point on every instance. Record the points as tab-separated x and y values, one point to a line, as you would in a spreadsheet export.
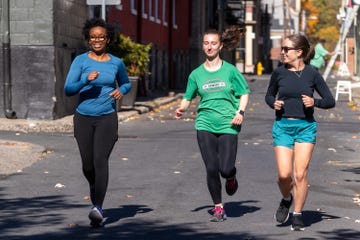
291	94
100	79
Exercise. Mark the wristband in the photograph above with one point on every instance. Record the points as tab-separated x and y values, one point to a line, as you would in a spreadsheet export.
241	112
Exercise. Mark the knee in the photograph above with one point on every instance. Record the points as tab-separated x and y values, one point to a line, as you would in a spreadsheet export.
228	173
284	178
300	176
212	172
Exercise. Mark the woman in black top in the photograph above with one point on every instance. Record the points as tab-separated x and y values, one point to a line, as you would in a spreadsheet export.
291	94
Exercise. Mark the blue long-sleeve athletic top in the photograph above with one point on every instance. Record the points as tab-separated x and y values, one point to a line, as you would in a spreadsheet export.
94	98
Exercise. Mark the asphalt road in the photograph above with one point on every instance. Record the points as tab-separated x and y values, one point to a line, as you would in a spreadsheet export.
157	186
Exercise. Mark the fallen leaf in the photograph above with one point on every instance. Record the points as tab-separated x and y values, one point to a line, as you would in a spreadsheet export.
332	149
71	225
59	185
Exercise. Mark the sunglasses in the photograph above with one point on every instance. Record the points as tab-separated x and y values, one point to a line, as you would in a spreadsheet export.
286	49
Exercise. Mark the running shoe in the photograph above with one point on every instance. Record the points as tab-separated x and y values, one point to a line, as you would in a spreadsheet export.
297	223
219	215
96	216
231	186
282	213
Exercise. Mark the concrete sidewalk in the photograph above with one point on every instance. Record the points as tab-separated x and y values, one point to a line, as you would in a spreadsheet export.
17	155
65	125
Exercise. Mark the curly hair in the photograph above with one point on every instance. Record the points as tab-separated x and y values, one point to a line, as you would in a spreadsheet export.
98	22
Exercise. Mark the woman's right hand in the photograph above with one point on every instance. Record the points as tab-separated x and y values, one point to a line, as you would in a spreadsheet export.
93	75
178	113
278	104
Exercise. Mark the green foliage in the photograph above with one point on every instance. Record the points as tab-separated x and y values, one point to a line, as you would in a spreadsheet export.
136	56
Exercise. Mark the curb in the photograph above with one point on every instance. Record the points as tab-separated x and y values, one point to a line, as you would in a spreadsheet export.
65	124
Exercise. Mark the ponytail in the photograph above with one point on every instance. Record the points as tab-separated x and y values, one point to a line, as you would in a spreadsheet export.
232	35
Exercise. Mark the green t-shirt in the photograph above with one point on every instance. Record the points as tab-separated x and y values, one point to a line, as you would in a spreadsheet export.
320	53
219	93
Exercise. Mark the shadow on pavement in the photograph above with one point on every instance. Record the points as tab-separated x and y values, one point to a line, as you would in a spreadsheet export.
310	218
115	214
233	209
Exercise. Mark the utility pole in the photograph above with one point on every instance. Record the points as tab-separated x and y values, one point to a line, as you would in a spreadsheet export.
5	27
351	13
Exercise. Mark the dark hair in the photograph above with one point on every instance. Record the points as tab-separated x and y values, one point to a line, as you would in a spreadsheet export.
231	36
98	22
301	42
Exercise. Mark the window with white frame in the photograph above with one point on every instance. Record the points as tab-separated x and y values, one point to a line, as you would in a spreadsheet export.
174	14
151	11
133	7
158	20
164	13
144	15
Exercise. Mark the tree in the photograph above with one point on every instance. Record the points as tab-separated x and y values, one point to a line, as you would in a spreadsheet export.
321	21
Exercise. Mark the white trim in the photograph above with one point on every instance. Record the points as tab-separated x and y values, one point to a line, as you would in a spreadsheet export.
132	7
164	13
158	20
151	16
144	15
174	14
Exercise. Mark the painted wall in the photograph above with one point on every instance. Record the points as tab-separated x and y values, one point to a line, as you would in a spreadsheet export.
45	35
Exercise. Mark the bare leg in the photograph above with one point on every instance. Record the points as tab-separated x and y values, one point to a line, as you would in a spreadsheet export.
303	153
283	157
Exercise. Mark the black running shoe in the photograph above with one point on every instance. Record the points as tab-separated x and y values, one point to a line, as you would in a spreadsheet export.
96	216
282	213
297	223
231	186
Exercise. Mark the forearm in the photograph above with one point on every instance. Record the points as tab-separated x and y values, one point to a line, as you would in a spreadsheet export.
244	99
184	105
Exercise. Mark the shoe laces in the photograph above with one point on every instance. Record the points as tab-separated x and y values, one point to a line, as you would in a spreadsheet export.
217	210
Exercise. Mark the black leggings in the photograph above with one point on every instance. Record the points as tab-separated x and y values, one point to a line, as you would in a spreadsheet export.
96	137
219	154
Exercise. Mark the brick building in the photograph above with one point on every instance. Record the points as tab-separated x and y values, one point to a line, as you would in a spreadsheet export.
166	24
45	36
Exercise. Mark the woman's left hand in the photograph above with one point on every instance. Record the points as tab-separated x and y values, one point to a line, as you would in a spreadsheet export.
307	101
238	119
116	94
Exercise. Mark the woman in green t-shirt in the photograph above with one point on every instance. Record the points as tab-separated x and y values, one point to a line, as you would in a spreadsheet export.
224	95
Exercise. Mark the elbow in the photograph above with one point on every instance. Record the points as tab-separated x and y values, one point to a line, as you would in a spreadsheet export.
69	93
332	103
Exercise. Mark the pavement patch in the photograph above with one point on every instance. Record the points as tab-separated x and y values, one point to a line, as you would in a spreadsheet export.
15	156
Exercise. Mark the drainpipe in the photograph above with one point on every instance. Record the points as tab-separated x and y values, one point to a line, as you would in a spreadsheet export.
5	20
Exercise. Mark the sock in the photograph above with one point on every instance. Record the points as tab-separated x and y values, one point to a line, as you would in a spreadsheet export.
297	213
288	198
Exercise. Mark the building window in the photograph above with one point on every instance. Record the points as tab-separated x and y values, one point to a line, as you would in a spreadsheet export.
174	14
164	13
144	15
151	16
133	7
157	11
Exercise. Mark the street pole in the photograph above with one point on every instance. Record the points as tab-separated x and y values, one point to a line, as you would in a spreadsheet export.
103	12
5	22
